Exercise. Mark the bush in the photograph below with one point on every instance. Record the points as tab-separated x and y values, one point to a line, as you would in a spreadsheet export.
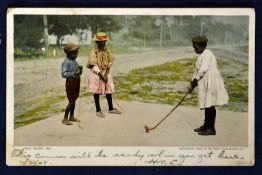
20	53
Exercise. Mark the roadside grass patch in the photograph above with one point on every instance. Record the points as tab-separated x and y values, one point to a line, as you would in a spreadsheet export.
39	108
159	84
44	106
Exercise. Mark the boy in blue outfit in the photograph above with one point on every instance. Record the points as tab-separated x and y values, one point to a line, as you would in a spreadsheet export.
72	71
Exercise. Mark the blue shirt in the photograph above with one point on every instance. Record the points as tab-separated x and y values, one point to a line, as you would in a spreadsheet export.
69	68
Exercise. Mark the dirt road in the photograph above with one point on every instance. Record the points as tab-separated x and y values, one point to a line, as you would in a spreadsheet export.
128	129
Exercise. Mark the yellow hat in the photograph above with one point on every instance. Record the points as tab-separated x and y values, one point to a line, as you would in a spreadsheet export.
199	39
101	36
70	47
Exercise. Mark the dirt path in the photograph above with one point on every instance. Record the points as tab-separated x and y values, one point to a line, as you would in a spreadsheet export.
128	129
126	63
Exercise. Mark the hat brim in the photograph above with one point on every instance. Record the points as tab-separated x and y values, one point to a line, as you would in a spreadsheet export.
105	39
73	49
101	38
199	39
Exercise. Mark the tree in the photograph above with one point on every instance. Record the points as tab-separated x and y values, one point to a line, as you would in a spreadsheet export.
45	31
61	25
99	23
28	31
142	28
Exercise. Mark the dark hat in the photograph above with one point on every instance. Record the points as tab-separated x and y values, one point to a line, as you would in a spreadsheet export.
70	47
199	39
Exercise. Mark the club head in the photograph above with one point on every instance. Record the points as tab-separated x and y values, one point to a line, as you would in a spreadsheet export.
147	129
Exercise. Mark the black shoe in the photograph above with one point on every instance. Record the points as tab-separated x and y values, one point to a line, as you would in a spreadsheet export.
201	128
206	132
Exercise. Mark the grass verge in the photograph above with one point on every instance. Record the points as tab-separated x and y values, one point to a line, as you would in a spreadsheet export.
167	83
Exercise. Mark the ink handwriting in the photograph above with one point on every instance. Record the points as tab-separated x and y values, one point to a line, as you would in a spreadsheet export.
162	157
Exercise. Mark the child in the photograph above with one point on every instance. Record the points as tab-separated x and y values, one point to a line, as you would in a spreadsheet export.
211	88
101	79
71	71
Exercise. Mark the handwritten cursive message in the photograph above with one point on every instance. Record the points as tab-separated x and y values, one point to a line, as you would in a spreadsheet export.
31	156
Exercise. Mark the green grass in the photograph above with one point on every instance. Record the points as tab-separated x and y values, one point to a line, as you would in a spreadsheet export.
26	122
21	55
43	106
145	84
40	108
154	84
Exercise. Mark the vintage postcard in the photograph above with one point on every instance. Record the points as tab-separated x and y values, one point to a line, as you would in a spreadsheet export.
130	87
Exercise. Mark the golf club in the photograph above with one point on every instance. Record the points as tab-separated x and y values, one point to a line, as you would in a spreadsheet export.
148	129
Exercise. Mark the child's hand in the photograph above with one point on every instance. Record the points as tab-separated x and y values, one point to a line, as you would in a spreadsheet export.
192	85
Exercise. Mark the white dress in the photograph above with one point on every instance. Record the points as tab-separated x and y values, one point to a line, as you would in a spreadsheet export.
211	87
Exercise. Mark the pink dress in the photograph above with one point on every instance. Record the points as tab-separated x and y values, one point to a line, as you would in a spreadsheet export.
102	60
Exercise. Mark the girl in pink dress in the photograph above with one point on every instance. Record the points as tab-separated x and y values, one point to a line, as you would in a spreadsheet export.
100	78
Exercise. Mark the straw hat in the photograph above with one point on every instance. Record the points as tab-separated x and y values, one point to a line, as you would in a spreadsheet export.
70	47
101	36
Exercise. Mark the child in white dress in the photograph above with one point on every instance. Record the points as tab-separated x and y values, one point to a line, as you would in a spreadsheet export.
211	88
